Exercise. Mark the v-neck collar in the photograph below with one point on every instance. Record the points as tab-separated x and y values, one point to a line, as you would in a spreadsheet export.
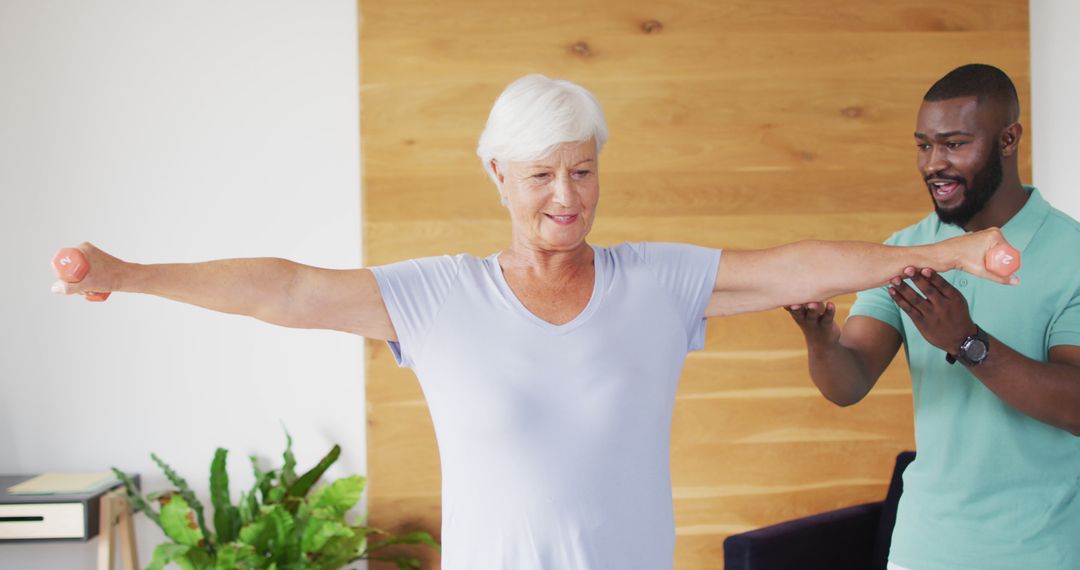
496	272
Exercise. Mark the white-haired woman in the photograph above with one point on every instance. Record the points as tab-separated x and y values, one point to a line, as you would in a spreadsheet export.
549	367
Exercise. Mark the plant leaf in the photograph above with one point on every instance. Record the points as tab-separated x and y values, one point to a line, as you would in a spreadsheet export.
228	557
256	534
277	494
178	522
342	550
338	497
415	537
185	491
200	559
282	534
226	516
236	556
288	471
168	552
302	485
244	509
138	503
263	480
317	532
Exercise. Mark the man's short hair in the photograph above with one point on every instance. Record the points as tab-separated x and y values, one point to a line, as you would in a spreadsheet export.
985	82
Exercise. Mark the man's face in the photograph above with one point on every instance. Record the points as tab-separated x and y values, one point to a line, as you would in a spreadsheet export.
959	155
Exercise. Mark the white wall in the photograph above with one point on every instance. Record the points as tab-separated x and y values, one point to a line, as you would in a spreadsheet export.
184	131
1055	93
172	131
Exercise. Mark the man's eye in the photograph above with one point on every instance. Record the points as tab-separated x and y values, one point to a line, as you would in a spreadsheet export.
953	145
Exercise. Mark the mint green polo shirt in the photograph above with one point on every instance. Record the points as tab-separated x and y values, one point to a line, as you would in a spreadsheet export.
991	487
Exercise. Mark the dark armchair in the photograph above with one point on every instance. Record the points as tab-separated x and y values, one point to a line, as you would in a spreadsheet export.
853	538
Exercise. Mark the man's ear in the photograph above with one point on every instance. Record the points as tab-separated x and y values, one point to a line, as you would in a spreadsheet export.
1010	139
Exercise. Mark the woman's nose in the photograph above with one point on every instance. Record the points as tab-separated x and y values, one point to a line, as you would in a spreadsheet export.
564	190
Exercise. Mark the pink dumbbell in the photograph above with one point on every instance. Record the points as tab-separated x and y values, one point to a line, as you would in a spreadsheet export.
71	266
1002	260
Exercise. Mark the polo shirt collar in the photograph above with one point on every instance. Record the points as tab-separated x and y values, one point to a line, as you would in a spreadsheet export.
1019	229
1022	227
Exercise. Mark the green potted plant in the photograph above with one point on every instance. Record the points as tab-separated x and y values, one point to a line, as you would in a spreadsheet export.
284	522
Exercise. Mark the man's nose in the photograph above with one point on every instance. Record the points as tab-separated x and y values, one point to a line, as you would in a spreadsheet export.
935	162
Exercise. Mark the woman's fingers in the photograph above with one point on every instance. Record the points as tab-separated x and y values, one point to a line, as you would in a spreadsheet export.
812	313
78	275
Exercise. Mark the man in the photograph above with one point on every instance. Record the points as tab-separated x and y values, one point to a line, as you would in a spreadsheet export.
995	370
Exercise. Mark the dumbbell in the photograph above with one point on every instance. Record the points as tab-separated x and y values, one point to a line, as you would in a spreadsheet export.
1002	260
71	266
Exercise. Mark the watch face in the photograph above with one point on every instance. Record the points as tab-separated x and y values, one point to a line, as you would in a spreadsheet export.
975	350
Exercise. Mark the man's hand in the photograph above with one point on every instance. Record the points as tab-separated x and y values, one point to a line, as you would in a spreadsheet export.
941	313
817	322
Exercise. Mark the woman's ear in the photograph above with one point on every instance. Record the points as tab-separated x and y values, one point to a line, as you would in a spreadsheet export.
500	180
499	176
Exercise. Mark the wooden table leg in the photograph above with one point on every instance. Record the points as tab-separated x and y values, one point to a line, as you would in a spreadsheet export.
116	519
106	556
129	555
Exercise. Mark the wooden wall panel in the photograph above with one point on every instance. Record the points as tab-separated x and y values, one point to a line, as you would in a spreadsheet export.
734	123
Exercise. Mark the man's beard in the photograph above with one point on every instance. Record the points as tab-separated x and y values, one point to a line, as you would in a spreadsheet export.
976	195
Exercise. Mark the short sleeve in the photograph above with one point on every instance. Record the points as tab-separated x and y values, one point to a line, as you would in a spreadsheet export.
688	273
414	291
1065	329
877	304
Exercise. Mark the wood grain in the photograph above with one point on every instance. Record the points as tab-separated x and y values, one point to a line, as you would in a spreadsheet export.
734	124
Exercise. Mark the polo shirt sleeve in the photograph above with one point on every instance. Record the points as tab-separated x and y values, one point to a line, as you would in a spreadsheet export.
413	291
688	274
876	303
1065	328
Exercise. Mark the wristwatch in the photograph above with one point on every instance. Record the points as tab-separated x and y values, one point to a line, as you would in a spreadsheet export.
973	350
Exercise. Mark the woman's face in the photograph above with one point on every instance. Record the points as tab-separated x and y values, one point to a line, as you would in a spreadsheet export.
552	201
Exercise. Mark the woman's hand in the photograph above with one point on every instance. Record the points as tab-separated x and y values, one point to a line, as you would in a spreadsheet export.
974	251
817	322
104	274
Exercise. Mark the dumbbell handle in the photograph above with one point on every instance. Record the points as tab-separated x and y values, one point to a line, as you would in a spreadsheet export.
1002	260
72	266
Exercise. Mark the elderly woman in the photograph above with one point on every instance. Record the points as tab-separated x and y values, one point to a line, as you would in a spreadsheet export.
549	367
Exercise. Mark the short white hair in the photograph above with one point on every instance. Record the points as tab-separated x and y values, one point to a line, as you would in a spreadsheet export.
535	114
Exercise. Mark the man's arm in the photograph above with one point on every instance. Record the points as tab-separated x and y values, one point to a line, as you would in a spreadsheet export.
844	364
795	273
1047	391
274	290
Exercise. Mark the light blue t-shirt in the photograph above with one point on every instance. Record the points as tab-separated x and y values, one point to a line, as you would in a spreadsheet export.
554	440
991	488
